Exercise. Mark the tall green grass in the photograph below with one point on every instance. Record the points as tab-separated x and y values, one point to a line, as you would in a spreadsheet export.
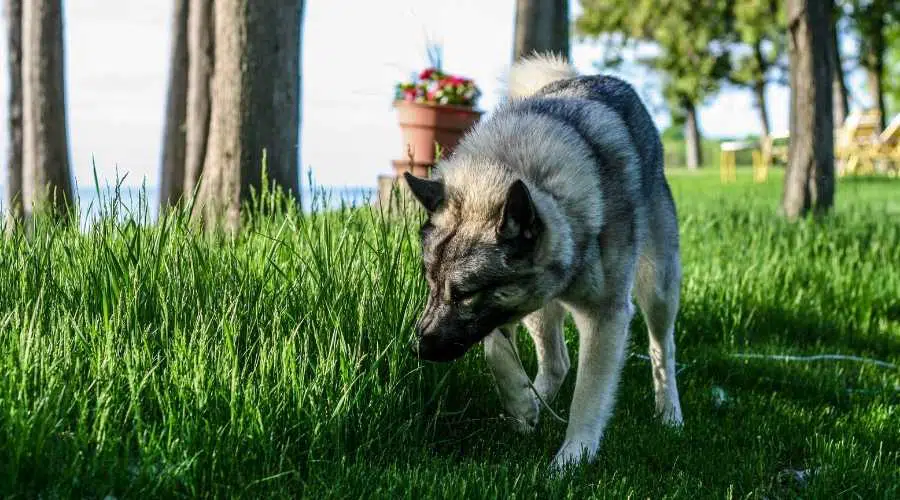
151	360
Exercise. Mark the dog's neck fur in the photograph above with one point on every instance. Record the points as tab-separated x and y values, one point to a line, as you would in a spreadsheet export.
505	148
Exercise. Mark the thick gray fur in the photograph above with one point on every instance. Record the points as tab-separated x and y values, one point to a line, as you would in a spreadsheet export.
555	203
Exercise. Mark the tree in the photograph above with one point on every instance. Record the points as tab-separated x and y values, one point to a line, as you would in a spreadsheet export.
692	58
840	97
174	135
541	26
809	181
200	66
871	19
46	177
255	114
13	199
760	30
892	71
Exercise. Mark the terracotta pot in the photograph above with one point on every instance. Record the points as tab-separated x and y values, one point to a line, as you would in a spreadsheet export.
424	124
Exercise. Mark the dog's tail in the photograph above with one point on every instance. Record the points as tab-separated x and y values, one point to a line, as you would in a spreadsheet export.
534	72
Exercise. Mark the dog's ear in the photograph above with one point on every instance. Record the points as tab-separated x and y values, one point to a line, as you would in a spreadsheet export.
429	193
520	218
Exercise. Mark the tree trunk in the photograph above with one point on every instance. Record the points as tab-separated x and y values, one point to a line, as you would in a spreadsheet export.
839	86
13	198
172	184
200	68
541	26
692	139
809	182
759	92
874	82
873	61
255	105
47	180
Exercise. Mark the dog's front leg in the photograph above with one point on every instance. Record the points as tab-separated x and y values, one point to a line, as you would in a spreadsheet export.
511	380
603	333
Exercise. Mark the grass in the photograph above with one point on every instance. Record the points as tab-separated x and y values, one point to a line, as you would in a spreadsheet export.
149	361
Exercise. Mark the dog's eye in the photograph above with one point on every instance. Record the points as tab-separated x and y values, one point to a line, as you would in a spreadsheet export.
466	297
471	298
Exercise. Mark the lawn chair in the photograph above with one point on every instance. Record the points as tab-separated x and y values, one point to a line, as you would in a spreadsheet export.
887	150
727	158
857	142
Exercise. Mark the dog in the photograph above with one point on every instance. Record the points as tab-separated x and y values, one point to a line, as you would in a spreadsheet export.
556	203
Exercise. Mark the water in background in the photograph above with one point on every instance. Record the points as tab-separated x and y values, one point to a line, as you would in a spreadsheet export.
142	204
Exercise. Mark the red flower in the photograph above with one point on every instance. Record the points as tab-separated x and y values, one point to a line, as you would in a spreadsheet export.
426	74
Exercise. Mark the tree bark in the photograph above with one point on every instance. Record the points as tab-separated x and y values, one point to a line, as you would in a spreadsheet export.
759	92
541	26
809	182
47	179
13	197
173	158
692	139
839	86
200	69
874	82
873	61
255	105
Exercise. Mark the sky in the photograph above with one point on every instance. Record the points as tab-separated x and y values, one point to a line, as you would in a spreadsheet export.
354	52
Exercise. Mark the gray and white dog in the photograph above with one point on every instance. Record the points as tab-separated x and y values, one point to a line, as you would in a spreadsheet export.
557	202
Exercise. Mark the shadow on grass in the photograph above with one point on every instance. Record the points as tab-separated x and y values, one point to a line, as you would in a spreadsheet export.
763	327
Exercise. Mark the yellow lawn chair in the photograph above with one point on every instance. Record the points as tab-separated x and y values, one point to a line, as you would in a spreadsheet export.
856	142
887	150
727	158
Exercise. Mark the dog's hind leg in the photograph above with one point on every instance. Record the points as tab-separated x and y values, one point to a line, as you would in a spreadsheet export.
546	329
657	293
511	380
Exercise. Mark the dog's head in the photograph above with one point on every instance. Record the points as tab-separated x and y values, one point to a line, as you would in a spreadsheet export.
481	257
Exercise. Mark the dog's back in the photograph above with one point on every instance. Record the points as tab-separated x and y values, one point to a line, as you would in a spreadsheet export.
550	85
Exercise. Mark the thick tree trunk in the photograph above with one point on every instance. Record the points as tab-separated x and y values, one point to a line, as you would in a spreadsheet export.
172	184
47	180
255	105
840	100
809	183
200	68
278	102
541	26
13	199
692	139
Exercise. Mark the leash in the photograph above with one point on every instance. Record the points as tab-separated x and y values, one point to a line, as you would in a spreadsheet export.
512	346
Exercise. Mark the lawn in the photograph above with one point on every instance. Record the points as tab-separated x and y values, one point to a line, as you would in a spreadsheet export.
149	361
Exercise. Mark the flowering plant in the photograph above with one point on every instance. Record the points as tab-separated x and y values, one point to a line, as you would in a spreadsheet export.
433	86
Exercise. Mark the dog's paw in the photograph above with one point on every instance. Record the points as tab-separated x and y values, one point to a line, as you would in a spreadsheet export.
670	414
524	410
573	453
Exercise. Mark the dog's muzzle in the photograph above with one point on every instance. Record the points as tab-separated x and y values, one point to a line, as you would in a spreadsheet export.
438	348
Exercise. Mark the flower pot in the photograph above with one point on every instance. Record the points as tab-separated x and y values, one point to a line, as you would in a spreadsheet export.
423	125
